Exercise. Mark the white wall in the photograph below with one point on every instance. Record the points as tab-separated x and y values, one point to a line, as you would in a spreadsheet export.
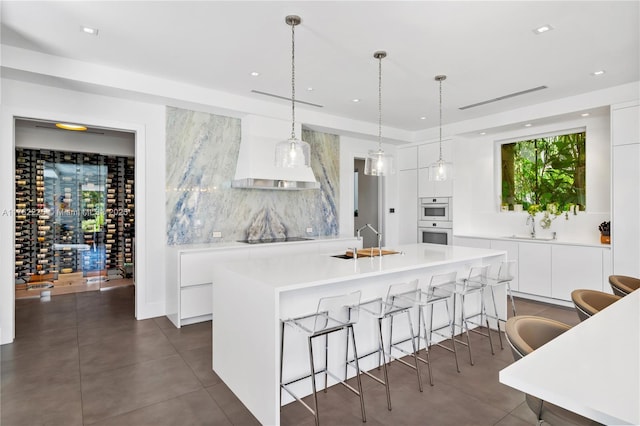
27	100
21	99
477	184
350	149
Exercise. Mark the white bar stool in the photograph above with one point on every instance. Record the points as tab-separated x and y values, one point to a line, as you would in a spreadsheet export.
337	313
388	308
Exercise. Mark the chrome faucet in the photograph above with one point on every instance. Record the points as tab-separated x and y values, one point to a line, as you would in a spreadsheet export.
379	235
532	220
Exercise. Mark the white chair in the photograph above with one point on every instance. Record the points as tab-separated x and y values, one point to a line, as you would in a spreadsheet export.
334	314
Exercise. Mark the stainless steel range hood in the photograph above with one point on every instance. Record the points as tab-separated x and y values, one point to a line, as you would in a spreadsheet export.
256	159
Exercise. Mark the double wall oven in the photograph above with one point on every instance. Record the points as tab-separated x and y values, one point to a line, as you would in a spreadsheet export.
435	224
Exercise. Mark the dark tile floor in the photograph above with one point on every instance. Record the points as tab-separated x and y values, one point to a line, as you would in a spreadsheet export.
83	359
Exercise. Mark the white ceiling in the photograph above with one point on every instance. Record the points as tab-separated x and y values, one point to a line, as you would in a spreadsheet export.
487	49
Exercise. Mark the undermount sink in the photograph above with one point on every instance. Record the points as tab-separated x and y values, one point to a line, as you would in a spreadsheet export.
529	237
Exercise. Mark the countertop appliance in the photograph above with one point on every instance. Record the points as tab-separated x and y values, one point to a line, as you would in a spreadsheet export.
435	208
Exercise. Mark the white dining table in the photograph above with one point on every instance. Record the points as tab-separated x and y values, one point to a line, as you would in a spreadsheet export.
593	369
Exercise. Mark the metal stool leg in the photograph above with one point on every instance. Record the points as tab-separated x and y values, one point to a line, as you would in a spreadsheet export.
355	355
495	309
384	364
465	327
313	382
453	337
483	314
415	354
513	303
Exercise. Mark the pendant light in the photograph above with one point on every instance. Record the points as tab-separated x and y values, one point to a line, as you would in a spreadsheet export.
293	153
440	170
377	162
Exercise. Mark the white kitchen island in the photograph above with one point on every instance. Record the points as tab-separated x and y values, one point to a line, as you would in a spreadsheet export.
251	296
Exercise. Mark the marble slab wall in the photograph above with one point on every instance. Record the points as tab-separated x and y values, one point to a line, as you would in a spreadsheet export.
202	150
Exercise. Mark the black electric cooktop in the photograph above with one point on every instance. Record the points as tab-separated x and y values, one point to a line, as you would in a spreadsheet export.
275	240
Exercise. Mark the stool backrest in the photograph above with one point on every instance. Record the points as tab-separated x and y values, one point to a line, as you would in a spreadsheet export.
440	279
401	289
507	270
342	309
477	275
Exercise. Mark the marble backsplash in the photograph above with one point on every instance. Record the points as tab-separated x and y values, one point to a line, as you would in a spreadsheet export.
202	150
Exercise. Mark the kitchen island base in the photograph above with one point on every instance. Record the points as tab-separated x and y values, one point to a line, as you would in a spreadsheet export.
251	297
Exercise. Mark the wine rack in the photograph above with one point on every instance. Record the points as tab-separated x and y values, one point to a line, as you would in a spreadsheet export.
74	212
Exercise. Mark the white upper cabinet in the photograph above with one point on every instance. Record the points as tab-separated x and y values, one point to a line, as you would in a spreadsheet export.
408	206
625	124
625	179
408	158
427	154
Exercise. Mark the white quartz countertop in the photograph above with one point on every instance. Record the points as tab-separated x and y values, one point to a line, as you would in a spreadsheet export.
592	369
595	242
290	272
239	245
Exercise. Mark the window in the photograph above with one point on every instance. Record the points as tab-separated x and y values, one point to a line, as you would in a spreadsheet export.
545	170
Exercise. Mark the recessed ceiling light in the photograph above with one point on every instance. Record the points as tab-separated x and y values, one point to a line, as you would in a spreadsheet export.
542	29
356	100
599	72
255	73
483	133
309	89
89	30
528	125
423	118
69	126
584	114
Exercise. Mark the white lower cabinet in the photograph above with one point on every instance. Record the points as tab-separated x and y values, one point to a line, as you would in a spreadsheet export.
534	266
551	270
575	267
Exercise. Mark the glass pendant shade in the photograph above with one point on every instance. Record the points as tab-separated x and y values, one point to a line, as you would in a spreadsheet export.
378	163
440	171
293	153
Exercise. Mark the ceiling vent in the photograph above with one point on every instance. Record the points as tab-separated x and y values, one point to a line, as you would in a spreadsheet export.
500	98
286	98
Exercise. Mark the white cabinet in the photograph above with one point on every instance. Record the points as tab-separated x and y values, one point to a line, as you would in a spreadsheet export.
472	242
189	285
625	179
575	267
625	124
550	270
534	267
408	158
427	154
407	206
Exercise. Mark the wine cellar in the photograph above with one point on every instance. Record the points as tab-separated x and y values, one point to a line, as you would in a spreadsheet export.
74	221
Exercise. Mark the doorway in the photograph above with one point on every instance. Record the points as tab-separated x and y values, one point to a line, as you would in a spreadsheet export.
75	228
365	202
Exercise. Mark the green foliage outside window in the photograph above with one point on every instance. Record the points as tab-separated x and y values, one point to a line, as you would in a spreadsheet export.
544	171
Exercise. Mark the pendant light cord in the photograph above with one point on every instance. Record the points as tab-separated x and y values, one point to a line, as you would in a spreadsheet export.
293	81
380	102
440	120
